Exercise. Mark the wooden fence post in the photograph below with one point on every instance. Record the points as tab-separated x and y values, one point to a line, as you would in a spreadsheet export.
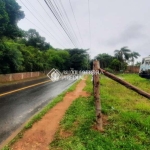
96	89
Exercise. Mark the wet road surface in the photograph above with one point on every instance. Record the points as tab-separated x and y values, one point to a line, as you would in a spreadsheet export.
18	107
17	85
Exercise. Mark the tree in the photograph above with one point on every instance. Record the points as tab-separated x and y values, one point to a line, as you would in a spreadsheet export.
104	59
4	19
57	59
78	59
115	65
11	58
122	55
9	16
64	59
32	38
133	56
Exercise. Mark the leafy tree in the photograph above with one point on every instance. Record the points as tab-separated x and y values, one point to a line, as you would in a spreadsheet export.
133	56
64	59
104	59
32	38
11	58
78	59
4	19
9	16
122	55
34	59
57	59
115	65
27	50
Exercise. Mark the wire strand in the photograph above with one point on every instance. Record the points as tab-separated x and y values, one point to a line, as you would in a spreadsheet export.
76	22
70	23
52	19
41	24
55	13
63	19
64	22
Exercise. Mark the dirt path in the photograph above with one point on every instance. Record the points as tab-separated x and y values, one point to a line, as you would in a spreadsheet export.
42	132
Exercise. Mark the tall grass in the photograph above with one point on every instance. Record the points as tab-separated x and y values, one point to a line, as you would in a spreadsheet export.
128	125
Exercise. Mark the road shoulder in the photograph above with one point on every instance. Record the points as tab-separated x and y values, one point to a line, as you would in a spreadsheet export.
42	132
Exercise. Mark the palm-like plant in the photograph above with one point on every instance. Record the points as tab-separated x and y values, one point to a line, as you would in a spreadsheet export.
122	55
133	56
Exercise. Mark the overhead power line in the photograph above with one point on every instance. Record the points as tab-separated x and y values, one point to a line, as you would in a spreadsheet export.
56	25
53	11
76	21
70	23
61	20
64	21
52	36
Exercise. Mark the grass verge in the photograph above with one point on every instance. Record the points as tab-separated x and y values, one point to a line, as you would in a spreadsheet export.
137	81
128	119
39	116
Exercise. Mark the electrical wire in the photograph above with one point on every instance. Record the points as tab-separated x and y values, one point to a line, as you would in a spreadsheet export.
76	21
51	19
63	23
42	24
56	17
69	22
59	19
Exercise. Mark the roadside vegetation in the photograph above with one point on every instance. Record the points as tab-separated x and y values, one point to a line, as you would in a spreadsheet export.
119	62
141	83
126	119
25	51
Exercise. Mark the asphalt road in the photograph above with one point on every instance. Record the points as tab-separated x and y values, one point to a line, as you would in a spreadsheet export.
20	84
16	108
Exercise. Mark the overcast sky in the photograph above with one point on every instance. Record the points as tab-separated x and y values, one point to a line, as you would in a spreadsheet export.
113	24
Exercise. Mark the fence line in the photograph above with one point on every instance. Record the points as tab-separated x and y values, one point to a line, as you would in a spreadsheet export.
96	90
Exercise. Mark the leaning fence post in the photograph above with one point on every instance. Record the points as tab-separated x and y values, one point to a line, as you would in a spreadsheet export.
96	89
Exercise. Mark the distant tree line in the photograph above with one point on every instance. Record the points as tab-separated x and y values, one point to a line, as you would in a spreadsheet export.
119	61
22	51
21	57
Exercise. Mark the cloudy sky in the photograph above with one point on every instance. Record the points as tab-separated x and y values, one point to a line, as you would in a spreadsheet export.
113	24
